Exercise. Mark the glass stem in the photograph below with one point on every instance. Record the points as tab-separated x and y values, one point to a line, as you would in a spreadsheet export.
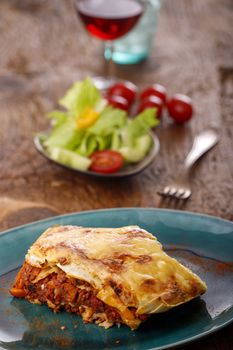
110	67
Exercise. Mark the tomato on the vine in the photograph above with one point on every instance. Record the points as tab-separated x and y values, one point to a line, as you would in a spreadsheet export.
180	108
154	90
152	101
125	89
118	102
106	162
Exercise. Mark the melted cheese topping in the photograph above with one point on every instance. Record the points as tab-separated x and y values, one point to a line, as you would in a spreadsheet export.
126	266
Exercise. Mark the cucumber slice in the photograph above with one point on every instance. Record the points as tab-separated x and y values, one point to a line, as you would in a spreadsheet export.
136	153
69	158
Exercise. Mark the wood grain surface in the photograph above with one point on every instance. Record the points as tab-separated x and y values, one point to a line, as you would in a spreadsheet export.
43	49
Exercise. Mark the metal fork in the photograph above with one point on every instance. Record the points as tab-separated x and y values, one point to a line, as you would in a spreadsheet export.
180	187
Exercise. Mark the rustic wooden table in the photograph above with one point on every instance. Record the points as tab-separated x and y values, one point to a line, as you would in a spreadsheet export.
44	49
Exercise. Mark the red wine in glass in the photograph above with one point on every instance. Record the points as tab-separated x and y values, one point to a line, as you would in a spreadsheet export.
109	19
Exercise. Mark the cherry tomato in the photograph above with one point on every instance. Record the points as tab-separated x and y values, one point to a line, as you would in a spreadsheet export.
154	90
106	162
180	108
118	102
152	101
125	89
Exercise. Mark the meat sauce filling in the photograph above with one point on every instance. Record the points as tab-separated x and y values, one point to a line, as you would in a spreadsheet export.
62	292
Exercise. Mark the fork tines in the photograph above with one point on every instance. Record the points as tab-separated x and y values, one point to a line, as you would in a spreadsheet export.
174	192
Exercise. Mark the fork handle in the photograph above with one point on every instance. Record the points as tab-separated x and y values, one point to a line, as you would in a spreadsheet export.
202	144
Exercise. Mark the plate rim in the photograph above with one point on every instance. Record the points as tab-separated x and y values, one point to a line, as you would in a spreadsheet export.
133	209
91	211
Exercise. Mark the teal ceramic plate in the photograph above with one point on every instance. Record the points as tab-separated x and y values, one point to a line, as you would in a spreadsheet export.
202	243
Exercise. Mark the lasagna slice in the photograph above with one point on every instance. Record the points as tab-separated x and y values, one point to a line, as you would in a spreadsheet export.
106	275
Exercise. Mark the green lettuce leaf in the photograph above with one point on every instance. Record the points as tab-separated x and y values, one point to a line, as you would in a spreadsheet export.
81	96
109	120
57	117
116	141
147	119
88	145
66	136
138	126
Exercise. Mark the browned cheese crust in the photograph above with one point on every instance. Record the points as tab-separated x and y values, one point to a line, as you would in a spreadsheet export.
107	275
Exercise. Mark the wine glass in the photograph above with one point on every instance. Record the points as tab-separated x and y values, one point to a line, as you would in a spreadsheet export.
109	20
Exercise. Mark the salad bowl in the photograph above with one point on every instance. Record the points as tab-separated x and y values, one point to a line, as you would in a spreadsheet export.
127	170
91	135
